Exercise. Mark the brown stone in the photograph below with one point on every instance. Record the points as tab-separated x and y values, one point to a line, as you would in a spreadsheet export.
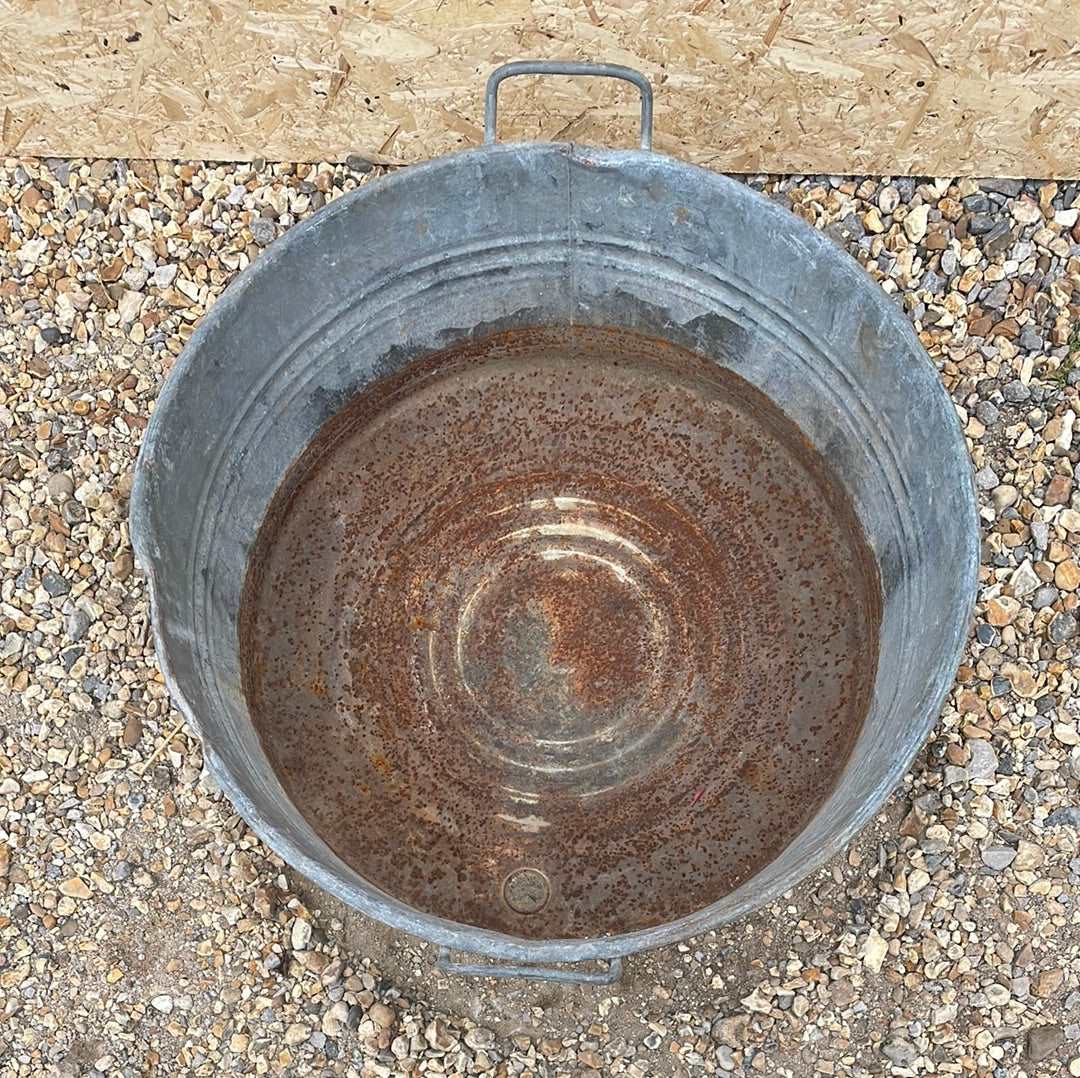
112	271
74	888
957	754
969	279
913	824
382	1015
970	703
1058	491
99	296
1067	576
1058	551
132	731
1047	983
1022	680
123	566
30	198
1002	610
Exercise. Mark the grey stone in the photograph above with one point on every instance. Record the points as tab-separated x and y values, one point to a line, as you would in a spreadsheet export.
998	857
987	413
998	239
1069	816
96	688
69	657
954	776
906	186
55	585
357	162
1016	392
60	487
1030	339
1024	580
1040	533
1046	596
73	512
76	625
998	296
263	231
980	224
135	278
1044	1041
986	478
1062	628
60	168
982	767
165	275
932	283
1009	188
900	1052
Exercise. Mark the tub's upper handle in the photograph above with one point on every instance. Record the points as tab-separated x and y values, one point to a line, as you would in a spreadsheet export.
567	67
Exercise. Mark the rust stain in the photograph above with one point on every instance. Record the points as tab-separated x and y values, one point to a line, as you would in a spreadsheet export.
598	601
381	764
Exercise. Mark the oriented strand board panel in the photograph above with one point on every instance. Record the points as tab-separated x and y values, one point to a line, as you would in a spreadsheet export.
928	87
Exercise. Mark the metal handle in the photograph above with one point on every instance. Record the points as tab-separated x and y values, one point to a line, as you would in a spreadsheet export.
532	973
567	67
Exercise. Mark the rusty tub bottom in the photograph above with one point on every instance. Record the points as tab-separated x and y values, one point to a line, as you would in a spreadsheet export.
561	633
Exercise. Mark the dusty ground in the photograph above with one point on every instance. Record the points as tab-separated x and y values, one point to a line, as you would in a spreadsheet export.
143	928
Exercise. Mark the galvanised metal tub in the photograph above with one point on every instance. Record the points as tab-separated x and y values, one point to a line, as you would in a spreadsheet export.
560	551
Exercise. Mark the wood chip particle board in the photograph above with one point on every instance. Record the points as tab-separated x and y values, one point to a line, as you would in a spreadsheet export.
949	87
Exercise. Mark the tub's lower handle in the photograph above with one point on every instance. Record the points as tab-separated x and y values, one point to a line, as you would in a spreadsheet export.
532	973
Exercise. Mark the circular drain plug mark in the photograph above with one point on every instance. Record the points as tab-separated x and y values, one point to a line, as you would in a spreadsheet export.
526	890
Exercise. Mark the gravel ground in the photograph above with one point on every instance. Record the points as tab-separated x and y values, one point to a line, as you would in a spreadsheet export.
145	930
